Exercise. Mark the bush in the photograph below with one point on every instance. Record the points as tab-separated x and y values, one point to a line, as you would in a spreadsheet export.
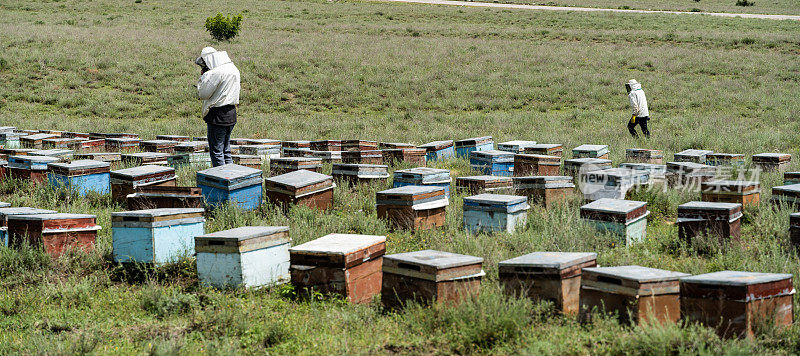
745	3
223	28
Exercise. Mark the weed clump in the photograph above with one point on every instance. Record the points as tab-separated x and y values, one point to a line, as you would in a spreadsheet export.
222	27
745	3
161	304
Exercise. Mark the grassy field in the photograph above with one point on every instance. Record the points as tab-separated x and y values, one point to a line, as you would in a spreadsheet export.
391	72
782	7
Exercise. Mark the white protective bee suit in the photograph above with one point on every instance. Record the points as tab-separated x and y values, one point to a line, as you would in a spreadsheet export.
220	85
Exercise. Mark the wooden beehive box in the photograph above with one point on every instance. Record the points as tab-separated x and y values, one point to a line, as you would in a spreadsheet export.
544	190
86	145
360	173
35	140
343	264
266	151
164	146
142	158
113	158
484	184
62	155
465	147
122	144
624	218
363	157
176	138
252	161
248	256
657	172
545	149
278	166
359	145
737	303
492	162
495	213
638	295
725	159
590	151
192	147
297	144
550	276
312	189
160	197
438	150
794	229
3	169
56	233
423	176
11	139
125	181
258	141
516	146
115	135
691	155
72	134
394	145
7	211
742	192
327	156
579	166
57	142
239	185
297	152
155	236
644	155
31	168
613	183
699	217
688	175
412	207
200	138
83	176
326	145
415	156
772	161
536	165
429	276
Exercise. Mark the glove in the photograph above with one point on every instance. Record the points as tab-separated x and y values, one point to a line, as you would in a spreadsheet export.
633	119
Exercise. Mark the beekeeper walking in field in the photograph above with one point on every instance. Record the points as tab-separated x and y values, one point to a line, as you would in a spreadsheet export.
640	114
218	88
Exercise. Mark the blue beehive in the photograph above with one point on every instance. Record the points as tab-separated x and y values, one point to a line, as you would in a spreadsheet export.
83	176
625	218
7	211
10	139
437	150
466	146
238	184
495	212
493	162
423	176
155	235
249	256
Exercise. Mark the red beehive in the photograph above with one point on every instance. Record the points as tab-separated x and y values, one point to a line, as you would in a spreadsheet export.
412	207
163	146
721	219
302	187
55	232
414	156
358	145
125	181
252	161
326	145
83	145
536	165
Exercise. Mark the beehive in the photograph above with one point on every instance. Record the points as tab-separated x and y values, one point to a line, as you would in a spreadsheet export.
638	295
737	303
125	181
624	218
156	197
32	168
794	229
57	133
644	155
536	165
492	162
545	149
725	159
359	145
7	211
590	151
742	192
7	129
86	145
412	207
164	146
95	135
176	138
517	146
199	159
657	172
720	219
249	256
362	157
232	183
72	134
113	158
34	140
688	175
11	139
772	161
62	155
57	142
438	150
465	147
577	167
328	156
3	169
423	176
613	183
278	166
306	145
191	147
311	189
258	141
550	276
691	155
56	233
484	184
142	158
296	152
122	144
8	152
790	178
326	145
265	151
343	264
360	173
155	236
83	176
545	190
251	161
495	213
429	276
395	145
414	156
200	138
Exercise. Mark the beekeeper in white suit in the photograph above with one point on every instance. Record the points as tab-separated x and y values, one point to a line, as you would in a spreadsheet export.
640	113
218	88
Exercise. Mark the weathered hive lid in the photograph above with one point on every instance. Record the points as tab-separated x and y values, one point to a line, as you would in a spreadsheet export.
11	135
122	140
545	146
55	216
693	153
145	155
496	202
650	167
600	149
297	160
543	182
737	285
260	141
725	155
141	171
242	239
38	137
157	217
395	145
644	152
791	190
51	153
492	155
31	162
730	186
191	146
587	160
230	173
614	210
537	158
474	141
486	178
423	175
437	145
622	174
173	137
83	164
299	179
632	280
515	146
705	205
327	154
546	262
772	157
158	143
417	197
4	204
361	170
58	222
433	265
794	219
338	250
295	143
701	210
22	210
688	167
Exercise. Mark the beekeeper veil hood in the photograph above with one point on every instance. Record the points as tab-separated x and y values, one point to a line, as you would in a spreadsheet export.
633	84
212	58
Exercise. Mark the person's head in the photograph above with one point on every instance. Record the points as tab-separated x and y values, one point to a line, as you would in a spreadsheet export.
631	85
200	61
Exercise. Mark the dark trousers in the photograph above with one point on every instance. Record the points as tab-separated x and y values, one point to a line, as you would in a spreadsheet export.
219	144
641	121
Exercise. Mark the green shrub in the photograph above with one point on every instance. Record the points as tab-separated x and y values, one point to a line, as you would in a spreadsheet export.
745	3
223	28
161	304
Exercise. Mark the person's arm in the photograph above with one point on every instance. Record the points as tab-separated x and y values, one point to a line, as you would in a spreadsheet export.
206	86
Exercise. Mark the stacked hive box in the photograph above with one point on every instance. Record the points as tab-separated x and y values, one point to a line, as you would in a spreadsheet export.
326	145
72	134
743	192
177	138
359	145
720	219
412	207
427	276
311	189
35	140
155	236
545	190
347	265
422	176
122	144
438	150
165	146
251	161
657	172
644	155
363	157
360	173
232	183
495	213
296	145
62	155
56	233
725	159
624	218
545	149
536	165
590	151
613	183
249	256
688	175
694	156
83	176
551	276
297	152
465	147
415	156
125	181
772	161
328	156
484	184
85	145
7	211
577	167
142	158
278	166
492	162
165	197
639	295
737	303
30	168
196	151
515	146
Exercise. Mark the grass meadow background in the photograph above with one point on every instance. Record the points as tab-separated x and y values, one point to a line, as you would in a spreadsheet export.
393	72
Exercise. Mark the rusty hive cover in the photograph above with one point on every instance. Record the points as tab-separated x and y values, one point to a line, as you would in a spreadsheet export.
731	186
437	145
417	197
56	222
771	157
474	141
632	280
338	250
701	210
737	285
546	262
242	239
614	210
433	265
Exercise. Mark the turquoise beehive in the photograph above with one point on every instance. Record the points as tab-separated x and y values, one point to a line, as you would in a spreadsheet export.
155	235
